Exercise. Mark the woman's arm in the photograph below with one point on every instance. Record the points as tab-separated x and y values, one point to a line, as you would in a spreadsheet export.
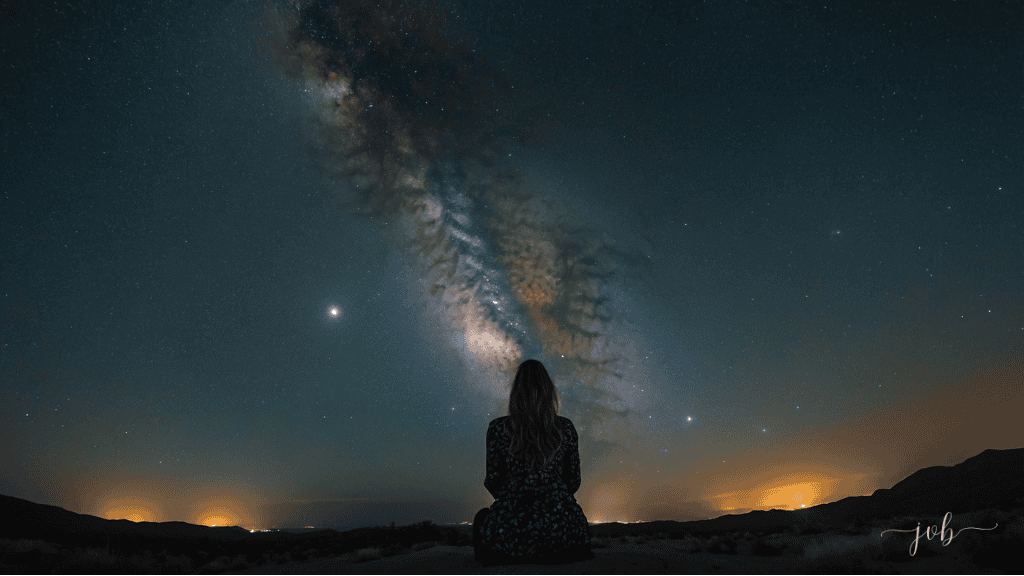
571	470
497	472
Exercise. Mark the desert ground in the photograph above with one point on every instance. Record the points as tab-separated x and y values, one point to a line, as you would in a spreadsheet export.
656	557
822	553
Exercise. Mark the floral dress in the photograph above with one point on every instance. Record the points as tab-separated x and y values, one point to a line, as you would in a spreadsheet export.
534	513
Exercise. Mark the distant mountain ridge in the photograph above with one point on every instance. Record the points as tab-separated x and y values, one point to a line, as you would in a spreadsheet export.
24	519
991	479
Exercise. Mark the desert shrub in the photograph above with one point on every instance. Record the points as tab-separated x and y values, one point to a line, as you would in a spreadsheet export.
691	544
993	549
722	545
93	561
280	558
391	550
26	558
177	565
366	554
762	548
25	546
34	555
423	545
142	563
224	563
840	549
784	543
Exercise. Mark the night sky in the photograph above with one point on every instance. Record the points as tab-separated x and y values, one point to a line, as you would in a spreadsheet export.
771	254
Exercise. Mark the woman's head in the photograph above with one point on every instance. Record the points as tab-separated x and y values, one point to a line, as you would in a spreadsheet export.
532	389
532	424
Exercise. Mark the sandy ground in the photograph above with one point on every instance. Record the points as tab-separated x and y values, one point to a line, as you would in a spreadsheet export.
653	557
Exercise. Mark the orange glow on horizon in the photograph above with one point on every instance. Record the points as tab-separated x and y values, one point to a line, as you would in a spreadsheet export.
132	512
218	516
225	510
789	492
791	495
133	508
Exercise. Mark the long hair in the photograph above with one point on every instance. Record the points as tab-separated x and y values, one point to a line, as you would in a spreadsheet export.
532	424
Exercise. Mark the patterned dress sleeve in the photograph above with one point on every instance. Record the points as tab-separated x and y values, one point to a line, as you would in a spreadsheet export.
497	470
571	468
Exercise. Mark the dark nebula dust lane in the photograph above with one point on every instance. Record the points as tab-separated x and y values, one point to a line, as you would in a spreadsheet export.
412	128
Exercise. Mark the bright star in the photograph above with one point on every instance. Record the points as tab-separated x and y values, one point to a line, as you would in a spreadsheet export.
332	312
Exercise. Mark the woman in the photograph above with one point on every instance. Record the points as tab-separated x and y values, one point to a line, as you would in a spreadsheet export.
533	470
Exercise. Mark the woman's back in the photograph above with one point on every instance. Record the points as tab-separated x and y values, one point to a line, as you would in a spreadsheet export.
509	473
534	514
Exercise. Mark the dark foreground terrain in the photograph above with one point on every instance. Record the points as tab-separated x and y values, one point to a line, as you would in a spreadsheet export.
842	537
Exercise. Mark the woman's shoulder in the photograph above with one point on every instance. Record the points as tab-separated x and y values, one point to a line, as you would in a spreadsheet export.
500	420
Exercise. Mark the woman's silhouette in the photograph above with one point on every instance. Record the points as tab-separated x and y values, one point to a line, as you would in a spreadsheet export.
533	470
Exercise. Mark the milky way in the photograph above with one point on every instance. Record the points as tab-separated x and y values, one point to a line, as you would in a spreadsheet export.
413	130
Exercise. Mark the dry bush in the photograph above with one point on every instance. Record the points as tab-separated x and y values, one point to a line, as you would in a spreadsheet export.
722	545
996	549
424	545
762	548
839	546
392	550
367	554
88	560
143	563
178	565
690	544
222	564
25	546
783	544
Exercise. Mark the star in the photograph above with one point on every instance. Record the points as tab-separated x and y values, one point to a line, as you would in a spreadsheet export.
333	312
